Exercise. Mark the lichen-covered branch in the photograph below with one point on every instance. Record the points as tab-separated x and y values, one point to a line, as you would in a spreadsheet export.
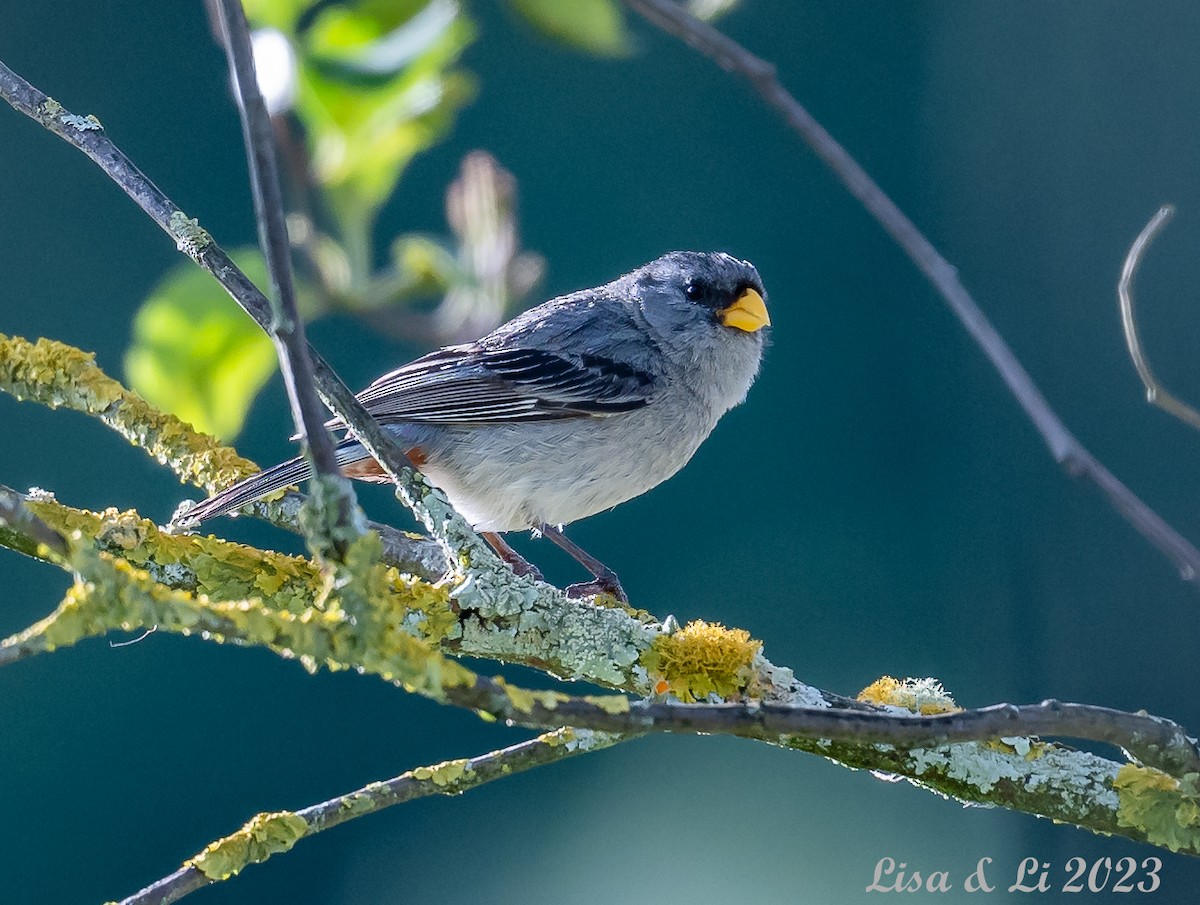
341	630
23	531
61	376
265	835
1066	449
584	641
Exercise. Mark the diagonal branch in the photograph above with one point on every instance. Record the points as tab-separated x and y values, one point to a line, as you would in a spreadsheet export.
1155	393
1064	447
338	519
251	845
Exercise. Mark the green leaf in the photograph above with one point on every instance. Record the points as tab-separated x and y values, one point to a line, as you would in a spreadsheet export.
595	26
196	354
374	92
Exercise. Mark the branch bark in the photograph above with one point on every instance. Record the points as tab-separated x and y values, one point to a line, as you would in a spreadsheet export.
1072	455
336	520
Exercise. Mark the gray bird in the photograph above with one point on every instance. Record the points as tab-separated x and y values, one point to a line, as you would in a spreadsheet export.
573	407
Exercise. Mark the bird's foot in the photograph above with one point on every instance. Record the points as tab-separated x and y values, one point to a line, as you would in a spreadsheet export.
607	585
521	567
525	569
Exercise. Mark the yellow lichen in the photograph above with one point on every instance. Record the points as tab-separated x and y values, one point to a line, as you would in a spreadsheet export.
524	700
358	805
702	659
610	703
444	774
221	569
58	375
924	696
1166	809
349	615
558	737
263	836
113	594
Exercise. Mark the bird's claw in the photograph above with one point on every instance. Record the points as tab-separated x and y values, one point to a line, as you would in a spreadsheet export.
612	588
526	569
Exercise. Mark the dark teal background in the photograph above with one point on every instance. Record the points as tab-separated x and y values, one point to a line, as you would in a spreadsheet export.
879	504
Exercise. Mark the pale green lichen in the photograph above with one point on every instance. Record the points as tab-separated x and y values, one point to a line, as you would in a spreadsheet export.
263	835
570	638
357	805
50	111
701	659
1166	809
58	375
87	123
190	237
330	518
1076	780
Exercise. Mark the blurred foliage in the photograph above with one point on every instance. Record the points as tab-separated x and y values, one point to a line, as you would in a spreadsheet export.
597	26
373	93
369	85
197	353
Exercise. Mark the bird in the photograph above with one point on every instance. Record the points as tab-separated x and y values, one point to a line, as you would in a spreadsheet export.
569	409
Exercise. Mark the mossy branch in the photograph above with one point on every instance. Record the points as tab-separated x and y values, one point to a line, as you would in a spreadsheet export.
270	834
342	628
58	375
61	376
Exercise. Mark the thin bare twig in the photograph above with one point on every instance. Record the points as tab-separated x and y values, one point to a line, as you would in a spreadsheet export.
1066	449
286	328
451	778
1155	393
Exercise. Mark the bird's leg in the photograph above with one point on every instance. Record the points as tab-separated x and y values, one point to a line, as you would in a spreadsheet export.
518	563
606	580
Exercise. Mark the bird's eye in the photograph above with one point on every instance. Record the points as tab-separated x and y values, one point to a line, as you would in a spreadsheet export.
694	291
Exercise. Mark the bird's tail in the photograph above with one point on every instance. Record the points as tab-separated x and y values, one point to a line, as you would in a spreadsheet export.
255	487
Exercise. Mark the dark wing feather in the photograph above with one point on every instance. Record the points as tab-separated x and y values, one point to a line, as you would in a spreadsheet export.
468	385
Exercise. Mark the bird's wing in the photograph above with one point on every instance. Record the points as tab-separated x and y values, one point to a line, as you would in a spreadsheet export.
471	385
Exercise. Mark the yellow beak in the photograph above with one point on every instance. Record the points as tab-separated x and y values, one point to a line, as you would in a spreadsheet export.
748	313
